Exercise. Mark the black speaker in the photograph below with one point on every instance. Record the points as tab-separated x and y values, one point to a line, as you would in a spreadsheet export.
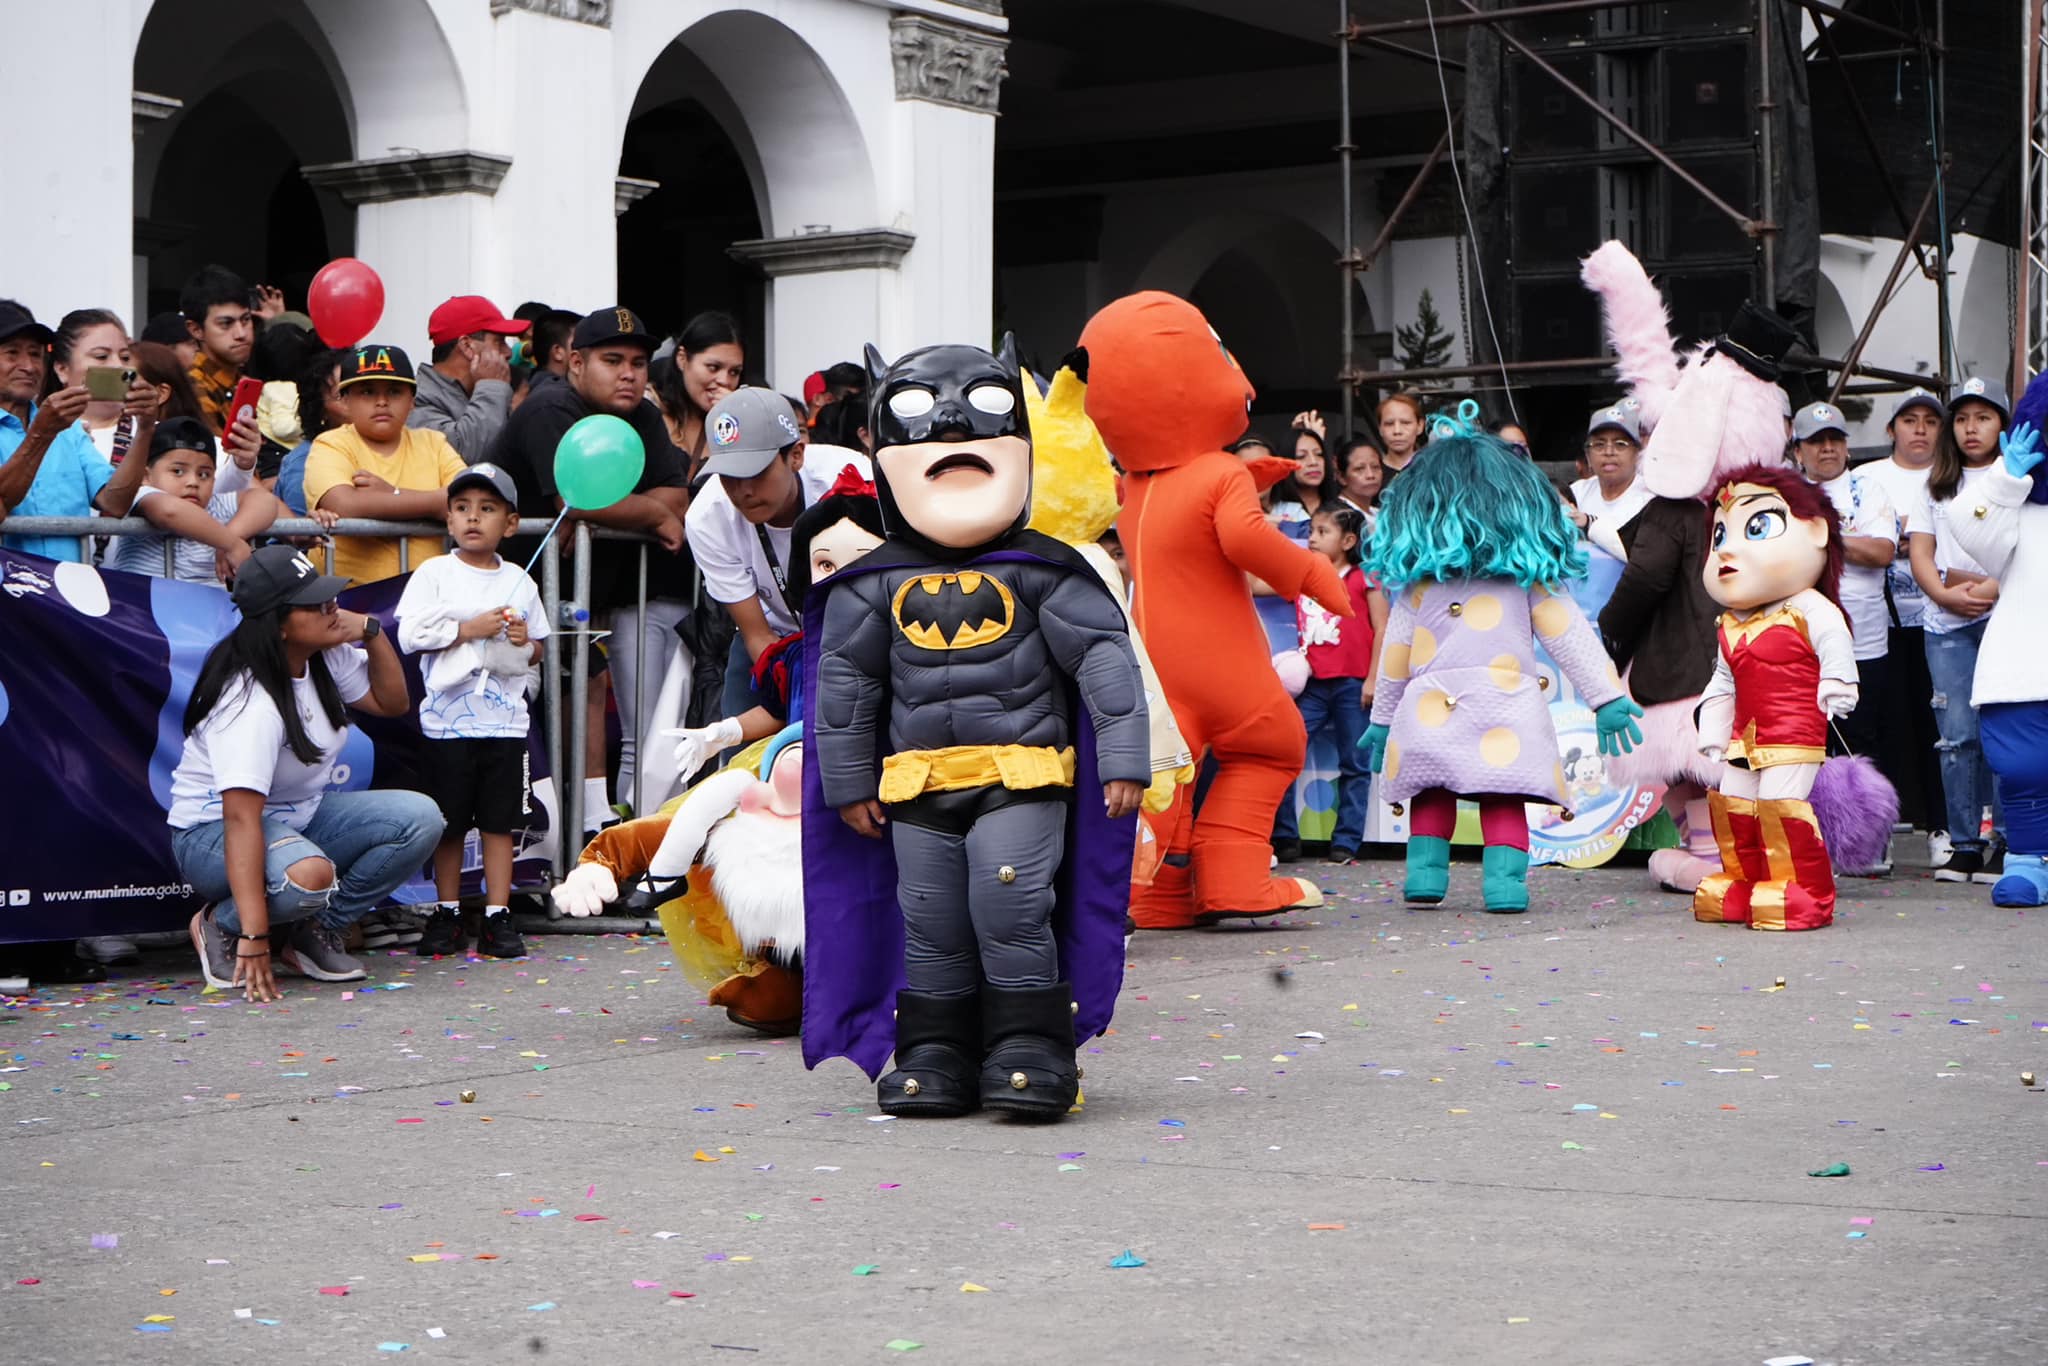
1693	229
1675	17
1551	210
1704	92
1543	118
1703	302
1555	319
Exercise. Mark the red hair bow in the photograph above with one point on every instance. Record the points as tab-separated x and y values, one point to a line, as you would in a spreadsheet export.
850	484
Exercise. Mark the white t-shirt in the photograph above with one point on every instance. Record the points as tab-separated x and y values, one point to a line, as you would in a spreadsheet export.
1903	489
1865	511
241	743
144	554
1931	518
727	546
476	689
1615	511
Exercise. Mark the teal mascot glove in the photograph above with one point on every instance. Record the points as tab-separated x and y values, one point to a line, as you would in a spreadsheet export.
1616	721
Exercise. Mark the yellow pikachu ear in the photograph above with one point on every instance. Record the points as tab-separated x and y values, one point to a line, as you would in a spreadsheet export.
1068	394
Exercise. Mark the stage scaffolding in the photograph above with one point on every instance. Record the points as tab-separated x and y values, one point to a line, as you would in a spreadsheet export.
1923	243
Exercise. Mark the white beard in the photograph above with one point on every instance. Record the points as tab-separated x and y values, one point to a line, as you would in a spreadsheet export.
757	872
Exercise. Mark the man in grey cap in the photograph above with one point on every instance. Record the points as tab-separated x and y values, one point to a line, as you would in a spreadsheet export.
739	525
1612	493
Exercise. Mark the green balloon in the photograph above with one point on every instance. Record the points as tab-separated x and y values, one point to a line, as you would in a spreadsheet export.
598	461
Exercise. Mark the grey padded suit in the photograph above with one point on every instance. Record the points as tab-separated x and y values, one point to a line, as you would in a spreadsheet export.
1005	688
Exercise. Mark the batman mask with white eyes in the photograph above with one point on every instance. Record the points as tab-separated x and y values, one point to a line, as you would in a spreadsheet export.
952	447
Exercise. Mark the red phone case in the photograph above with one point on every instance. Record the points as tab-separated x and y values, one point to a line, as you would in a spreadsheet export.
247	391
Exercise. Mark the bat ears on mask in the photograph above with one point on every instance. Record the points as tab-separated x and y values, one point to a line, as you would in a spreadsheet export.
1006	353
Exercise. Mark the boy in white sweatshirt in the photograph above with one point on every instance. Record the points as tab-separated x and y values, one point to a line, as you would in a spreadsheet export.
478	622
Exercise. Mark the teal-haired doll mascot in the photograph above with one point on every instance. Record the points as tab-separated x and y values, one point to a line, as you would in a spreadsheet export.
1473	548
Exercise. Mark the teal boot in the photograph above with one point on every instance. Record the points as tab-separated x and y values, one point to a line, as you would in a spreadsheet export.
1429	869
1507	878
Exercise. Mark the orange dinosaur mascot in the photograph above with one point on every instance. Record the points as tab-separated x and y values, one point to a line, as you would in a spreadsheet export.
1166	395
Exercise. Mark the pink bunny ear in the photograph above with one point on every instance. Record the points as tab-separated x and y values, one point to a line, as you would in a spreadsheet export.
1637	324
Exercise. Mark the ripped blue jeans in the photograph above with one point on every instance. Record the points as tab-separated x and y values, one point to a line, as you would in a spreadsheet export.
1966	779
375	840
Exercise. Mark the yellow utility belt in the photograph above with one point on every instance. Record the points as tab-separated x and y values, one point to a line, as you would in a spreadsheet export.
914	772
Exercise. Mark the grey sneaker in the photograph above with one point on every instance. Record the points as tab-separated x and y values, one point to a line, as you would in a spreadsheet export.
216	950
316	951
111	948
406	924
378	932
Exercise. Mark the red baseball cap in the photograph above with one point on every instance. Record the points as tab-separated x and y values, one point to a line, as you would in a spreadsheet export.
468	313
814	385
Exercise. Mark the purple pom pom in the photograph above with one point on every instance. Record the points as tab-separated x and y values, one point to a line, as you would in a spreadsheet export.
1857	807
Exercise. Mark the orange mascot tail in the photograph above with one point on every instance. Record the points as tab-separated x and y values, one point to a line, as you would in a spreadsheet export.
1166	395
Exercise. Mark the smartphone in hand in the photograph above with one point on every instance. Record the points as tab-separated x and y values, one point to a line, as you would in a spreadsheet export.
107	383
243	404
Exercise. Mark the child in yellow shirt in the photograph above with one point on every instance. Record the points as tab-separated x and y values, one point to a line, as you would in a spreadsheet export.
377	467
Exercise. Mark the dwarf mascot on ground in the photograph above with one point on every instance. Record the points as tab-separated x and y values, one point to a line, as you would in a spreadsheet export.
1785	666
737	926
1474	548
1721	410
1166	395
978	747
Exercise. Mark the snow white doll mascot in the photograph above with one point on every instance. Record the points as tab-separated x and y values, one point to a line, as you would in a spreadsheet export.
1473	549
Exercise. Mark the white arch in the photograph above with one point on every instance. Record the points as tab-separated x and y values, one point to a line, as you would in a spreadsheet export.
783	108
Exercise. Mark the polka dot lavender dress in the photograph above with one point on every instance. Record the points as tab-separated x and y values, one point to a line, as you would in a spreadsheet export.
1460	694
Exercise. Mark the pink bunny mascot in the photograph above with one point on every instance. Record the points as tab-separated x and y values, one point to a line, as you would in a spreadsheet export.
1717	411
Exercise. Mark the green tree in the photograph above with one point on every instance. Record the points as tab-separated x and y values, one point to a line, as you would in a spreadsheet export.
1426	345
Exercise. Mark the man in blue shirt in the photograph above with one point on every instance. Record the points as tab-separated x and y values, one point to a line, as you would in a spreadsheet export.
48	465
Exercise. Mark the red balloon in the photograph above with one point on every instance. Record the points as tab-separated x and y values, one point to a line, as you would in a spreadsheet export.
345	300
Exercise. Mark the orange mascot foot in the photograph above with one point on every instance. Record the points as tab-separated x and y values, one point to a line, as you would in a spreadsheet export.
1292	894
764	996
1168	902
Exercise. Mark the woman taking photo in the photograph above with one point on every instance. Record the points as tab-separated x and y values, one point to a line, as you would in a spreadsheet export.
703	369
289	865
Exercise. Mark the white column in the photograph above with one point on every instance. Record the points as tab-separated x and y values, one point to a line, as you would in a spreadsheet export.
829	293
555	236
422	223
947	80
65	233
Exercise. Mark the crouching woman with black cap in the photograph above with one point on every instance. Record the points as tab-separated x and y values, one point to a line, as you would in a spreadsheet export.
288	864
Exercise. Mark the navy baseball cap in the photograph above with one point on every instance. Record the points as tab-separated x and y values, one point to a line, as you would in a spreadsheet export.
280	575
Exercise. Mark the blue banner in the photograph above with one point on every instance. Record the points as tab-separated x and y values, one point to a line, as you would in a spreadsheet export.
95	669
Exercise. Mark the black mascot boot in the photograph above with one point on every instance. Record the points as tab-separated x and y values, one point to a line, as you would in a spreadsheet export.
1029	1069
938	1039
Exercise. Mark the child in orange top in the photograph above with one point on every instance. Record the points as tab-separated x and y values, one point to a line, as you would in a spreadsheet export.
1340	654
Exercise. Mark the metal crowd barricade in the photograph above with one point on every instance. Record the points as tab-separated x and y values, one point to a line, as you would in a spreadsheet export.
570	619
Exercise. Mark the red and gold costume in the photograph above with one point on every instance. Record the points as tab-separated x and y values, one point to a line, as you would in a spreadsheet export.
1166	395
1785	665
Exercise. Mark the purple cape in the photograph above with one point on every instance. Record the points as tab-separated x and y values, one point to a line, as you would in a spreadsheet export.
853	928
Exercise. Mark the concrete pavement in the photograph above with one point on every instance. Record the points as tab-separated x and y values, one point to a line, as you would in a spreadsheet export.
1376	1134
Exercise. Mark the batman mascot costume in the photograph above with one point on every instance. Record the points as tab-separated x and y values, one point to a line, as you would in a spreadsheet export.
973	685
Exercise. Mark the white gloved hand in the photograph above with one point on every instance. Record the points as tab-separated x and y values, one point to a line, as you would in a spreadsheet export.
1836	698
697	743
1713	753
587	890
